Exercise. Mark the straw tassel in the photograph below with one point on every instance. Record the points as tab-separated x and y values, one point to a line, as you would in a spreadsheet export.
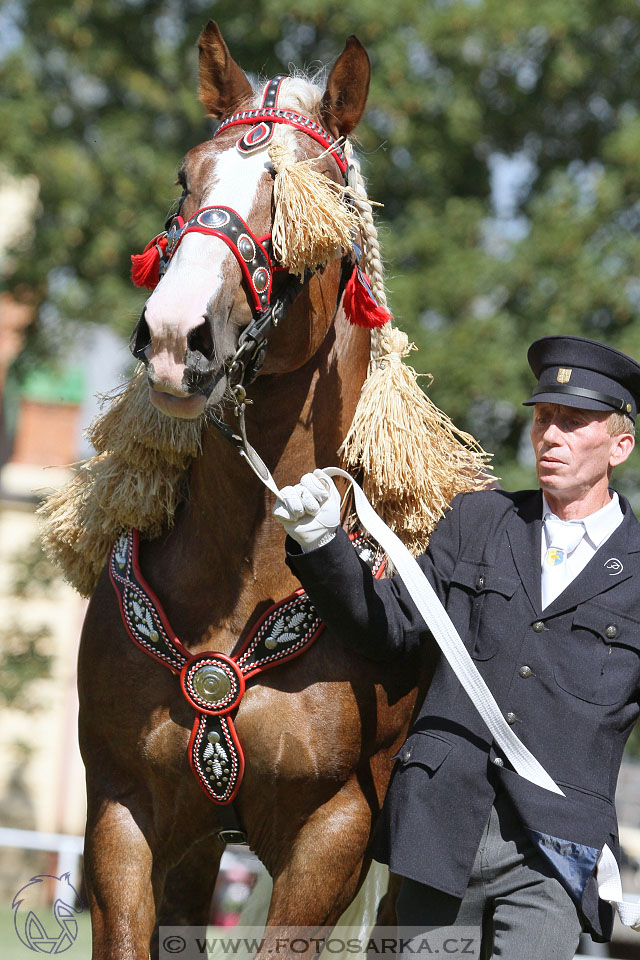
145	266
413	458
312	222
136	479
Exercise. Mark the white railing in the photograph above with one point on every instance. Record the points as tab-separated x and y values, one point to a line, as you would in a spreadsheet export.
69	850
66	846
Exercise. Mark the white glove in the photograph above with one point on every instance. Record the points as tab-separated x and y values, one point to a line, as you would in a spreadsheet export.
310	511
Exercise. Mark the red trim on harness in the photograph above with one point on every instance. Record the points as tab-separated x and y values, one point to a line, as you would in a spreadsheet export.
282	633
197	732
193	225
297	120
179	647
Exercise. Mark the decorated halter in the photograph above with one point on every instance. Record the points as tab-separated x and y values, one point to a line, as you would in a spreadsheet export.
251	252
254	253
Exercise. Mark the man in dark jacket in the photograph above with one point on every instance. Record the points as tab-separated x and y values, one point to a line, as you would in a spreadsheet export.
542	586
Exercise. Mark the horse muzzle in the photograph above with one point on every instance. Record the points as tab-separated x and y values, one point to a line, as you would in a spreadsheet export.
183	375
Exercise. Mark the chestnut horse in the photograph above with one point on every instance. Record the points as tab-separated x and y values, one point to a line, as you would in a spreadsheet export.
319	732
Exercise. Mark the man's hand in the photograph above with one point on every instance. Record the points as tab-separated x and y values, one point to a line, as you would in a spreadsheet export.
310	510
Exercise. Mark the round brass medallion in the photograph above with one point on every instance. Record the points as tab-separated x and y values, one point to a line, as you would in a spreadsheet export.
211	683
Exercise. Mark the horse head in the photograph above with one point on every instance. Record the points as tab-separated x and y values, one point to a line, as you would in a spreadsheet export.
221	274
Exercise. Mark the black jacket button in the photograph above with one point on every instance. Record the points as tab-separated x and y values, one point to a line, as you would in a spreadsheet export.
525	671
611	631
480	583
405	756
538	626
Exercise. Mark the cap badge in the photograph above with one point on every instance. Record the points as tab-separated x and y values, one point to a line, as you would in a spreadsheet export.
564	374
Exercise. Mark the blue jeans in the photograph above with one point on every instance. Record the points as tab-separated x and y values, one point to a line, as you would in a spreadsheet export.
519	909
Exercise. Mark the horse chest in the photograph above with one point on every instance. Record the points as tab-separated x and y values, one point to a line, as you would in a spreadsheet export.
296	732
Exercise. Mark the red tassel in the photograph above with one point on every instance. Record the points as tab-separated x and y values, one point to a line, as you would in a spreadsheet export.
145	266
359	303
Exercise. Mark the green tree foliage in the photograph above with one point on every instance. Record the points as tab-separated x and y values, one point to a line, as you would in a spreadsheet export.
22	662
23	656
465	95
100	106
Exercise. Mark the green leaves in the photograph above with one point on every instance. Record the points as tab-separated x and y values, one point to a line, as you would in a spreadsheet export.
483	256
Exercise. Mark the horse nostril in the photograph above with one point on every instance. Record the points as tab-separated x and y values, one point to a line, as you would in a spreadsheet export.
140	339
200	340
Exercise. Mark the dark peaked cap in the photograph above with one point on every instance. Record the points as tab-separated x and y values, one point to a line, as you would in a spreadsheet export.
576	372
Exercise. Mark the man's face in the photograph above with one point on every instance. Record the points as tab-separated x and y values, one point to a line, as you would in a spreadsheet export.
574	450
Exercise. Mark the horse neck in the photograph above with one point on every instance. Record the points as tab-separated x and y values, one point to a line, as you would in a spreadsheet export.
297	421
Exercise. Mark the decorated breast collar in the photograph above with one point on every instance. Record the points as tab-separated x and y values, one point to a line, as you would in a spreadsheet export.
212	682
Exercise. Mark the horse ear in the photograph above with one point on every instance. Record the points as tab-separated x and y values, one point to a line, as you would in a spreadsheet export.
345	97
223	85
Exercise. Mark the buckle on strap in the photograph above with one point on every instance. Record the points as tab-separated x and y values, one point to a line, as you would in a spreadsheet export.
232	836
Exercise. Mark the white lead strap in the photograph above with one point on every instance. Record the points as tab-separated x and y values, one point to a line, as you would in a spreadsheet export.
448	639
453	649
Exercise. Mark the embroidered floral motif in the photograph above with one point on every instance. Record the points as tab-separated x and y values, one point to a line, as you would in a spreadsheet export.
293	630
216	750
284	631
121	550
144	621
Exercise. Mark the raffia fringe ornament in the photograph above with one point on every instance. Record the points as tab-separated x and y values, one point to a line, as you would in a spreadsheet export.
312	222
136	479
413	458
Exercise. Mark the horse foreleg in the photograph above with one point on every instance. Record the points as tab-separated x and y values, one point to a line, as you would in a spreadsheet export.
186	899
121	886
324	867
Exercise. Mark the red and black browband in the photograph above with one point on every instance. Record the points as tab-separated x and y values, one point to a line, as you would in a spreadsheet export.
220	221
268	114
253	252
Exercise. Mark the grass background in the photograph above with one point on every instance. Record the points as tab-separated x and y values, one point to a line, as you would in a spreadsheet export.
11	948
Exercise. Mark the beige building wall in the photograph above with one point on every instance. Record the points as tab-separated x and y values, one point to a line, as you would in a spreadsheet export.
50	768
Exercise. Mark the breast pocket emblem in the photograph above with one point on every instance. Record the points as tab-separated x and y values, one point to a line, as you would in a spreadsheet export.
614	566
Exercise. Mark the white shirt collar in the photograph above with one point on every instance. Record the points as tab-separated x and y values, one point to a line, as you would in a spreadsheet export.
598	525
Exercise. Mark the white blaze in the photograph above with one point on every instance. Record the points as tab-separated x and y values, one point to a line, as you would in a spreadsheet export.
195	273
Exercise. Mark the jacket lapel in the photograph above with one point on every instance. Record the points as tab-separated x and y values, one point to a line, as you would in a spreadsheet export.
609	566
525	532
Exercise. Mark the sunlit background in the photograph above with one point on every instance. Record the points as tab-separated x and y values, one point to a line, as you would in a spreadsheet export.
503	140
